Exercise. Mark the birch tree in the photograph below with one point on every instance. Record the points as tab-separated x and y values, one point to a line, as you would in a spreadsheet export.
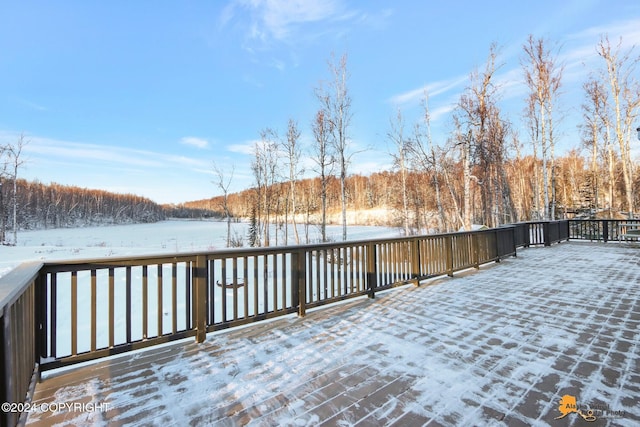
543	77
533	127
13	162
400	161
423	155
264	167
223	181
481	133
337	106
594	108
323	158
625	99
293	154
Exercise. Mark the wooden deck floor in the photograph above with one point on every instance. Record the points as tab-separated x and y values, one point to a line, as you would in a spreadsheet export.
495	347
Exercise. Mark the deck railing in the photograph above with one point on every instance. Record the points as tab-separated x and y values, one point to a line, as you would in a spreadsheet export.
59	313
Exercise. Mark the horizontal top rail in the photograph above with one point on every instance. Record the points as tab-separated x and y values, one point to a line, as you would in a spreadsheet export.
14	283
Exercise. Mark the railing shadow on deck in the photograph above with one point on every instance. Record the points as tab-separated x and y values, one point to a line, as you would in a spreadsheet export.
59	313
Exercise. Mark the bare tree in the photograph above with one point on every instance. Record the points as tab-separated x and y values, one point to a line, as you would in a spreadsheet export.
533	126
400	161
543	77
223	181
337	106
625	98
593	109
264	167
14	160
322	156
293	154
482	134
423	154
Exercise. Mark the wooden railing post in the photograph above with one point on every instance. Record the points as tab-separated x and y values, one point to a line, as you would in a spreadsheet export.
199	296
415	260
449	250
546	235
605	230
372	274
496	233
8	364
42	326
476	249
298	281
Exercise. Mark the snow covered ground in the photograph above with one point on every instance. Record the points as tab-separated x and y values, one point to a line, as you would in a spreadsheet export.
164	237
155	238
501	347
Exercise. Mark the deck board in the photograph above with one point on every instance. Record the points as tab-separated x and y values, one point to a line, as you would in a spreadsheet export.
499	346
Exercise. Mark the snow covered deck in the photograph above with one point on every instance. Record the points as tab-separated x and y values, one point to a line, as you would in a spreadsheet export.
500	346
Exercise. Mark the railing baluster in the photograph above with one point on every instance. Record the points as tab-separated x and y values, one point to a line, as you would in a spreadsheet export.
372	274
265	283
145	306
188	299
174	298
275	282
53	314
235	288
325	275
112	317
223	281
93	297
283	281
210	304
74	313
255	285
159	300
128	302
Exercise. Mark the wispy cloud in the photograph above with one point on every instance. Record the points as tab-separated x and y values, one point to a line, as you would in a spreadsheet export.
432	89
292	22
278	19
32	105
89	152
245	148
113	156
194	142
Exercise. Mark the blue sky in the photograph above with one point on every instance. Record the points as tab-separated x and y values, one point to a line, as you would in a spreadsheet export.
143	96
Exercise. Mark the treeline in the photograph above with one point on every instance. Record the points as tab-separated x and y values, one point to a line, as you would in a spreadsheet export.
577	193
39	205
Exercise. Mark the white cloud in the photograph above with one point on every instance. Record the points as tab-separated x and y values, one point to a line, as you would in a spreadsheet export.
287	21
432	89
32	105
247	148
277	18
194	142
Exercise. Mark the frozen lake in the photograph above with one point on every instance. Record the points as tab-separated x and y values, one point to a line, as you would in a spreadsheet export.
156	238
172	236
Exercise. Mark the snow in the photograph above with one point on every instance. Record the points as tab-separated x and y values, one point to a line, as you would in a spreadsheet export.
145	239
496	347
142	239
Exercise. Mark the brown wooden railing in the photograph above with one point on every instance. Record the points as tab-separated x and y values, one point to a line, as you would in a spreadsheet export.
19	362
59	313
600	230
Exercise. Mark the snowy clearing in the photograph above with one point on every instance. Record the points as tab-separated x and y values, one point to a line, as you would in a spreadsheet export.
146	239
